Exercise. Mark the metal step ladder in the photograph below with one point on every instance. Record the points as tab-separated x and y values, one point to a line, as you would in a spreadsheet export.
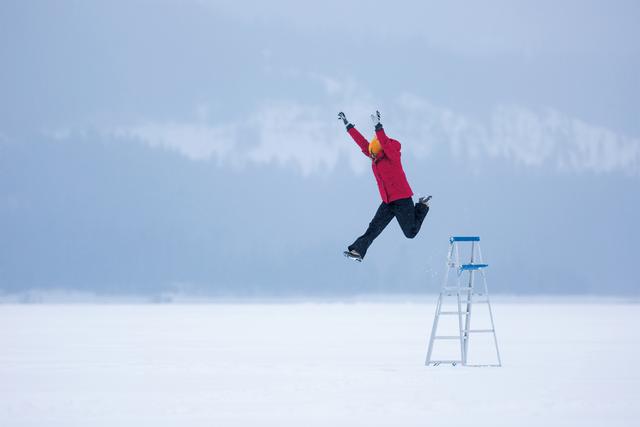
466	294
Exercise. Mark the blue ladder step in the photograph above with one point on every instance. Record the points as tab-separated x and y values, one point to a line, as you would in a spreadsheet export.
464	239
469	267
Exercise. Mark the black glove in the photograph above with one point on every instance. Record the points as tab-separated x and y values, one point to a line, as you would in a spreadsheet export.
375	118
341	116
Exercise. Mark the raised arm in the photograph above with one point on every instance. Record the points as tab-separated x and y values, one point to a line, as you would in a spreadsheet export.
357	136
392	150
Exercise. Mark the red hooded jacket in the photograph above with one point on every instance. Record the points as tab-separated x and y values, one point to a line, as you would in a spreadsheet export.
387	167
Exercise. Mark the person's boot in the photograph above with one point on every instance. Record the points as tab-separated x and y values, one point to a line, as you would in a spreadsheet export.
353	254
424	200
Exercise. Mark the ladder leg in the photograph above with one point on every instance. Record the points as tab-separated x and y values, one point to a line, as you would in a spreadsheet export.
436	317
463	355
493	327
467	322
433	330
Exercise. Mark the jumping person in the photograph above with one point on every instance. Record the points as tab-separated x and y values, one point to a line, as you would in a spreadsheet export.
384	153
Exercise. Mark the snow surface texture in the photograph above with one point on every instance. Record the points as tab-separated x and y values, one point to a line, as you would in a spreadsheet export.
311	364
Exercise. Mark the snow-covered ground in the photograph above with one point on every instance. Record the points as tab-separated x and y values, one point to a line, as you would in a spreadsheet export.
311	364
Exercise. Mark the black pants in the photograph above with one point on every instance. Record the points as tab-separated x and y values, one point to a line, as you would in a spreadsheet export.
409	217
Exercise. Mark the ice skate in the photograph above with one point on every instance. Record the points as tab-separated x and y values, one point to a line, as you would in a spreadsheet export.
354	255
424	200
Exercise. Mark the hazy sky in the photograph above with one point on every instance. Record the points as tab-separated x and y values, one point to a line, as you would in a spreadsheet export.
158	145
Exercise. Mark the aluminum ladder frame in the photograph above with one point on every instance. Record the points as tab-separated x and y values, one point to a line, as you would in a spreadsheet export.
467	292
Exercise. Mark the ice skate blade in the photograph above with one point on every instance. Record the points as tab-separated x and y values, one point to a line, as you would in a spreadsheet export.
351	256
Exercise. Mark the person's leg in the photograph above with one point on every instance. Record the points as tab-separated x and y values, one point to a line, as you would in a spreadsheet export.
380	220
409	215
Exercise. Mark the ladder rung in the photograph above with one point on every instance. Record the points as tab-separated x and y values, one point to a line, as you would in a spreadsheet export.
481	301
448	292
453	294
446	337
478	330
454	312
455	288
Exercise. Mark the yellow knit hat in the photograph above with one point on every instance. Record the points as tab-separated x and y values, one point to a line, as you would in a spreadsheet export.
374	146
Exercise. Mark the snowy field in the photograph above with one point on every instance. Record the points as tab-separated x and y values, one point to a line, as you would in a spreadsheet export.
311	364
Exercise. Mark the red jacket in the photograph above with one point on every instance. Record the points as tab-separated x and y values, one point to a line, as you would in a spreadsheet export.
387	167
